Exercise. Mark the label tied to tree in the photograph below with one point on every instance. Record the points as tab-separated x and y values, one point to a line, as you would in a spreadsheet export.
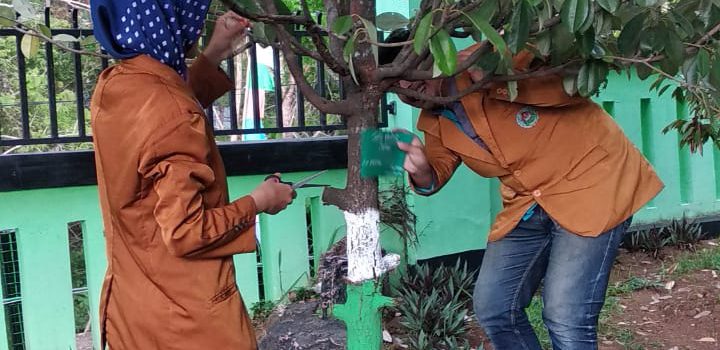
379	154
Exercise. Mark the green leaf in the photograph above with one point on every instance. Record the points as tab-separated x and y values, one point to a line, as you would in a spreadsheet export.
643	71
44	30
422	33
489	61
7	15
591	75
656	84
674	48
646	3
715	72
263	34
248	6
486	11
662	91
519	27
281	7
5	22
512	90
444	52
389	21
371	36
490	33
630	35
348	52
545	14
563	45
88	40
587	43
668	66
685	28
342	25
609	5
24	8
575	14
437	72
703	63
544	43
588	21
65	38
29	45
570	85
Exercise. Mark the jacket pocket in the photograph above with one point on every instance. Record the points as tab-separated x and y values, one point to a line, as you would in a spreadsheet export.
592	158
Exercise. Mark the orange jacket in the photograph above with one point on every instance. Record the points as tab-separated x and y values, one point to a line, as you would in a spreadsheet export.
169	229
565	153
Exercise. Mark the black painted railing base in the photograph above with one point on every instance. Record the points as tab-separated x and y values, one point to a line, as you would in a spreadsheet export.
63	169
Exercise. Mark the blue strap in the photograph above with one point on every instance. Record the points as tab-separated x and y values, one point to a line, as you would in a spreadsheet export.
529	213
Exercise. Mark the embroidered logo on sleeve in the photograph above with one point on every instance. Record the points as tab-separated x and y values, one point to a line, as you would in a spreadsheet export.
527	117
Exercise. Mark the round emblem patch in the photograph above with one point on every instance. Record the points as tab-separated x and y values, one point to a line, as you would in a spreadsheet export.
527	117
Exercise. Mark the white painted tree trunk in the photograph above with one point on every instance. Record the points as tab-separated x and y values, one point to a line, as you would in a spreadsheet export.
365	260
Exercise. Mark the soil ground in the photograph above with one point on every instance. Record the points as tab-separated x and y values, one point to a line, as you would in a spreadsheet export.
649	306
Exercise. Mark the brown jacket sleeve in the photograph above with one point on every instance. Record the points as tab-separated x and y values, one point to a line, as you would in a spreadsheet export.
176	161
443	161
207	82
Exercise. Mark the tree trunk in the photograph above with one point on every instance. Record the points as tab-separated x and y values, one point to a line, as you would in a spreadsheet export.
359	201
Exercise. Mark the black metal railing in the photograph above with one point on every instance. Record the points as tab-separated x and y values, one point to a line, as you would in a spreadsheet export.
223	114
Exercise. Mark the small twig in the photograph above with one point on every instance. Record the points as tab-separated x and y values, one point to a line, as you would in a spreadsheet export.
322	104
265	18
647	62
479	85
708	35
22	28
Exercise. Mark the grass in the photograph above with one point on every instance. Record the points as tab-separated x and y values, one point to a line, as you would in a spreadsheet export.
534	312
630	285
700	260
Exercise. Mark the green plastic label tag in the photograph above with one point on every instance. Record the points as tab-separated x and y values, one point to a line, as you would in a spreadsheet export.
379	154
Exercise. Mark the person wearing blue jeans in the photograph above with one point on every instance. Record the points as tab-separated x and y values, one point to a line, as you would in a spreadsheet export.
574	271
570	182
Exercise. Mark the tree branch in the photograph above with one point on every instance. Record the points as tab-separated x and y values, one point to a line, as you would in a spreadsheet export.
291	58
316	35
261	17
332	13
312	28
404	71
415	75
708	35
22	28
480	85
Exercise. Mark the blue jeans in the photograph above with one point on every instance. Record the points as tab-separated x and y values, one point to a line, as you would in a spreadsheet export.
574	271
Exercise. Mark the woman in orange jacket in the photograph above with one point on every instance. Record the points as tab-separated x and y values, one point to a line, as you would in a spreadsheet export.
570	183
170	228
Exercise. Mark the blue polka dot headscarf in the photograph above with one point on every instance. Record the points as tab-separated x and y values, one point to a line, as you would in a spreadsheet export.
162	29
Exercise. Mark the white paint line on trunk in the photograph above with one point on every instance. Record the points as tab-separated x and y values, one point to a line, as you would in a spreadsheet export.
365	261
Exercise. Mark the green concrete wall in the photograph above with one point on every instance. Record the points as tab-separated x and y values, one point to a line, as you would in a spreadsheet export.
40	220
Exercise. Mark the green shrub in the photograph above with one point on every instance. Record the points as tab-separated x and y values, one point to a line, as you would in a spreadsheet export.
434	305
